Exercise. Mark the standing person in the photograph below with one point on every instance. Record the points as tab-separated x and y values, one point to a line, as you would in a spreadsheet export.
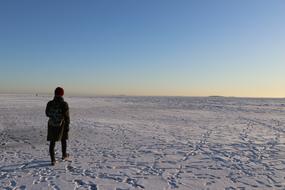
58	124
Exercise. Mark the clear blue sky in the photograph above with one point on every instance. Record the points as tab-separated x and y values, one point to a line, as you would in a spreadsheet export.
149	47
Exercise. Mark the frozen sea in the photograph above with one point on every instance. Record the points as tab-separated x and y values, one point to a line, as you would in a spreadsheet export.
154	143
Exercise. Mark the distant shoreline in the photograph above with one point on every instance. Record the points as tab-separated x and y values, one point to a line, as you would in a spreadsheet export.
137	96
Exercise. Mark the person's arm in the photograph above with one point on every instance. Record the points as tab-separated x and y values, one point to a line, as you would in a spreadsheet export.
48	114
66	116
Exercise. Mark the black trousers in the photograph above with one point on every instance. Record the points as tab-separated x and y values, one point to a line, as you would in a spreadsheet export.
52	146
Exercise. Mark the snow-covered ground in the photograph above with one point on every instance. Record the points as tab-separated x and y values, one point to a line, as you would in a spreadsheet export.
150	143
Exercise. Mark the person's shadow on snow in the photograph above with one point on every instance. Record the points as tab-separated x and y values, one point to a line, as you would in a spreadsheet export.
28	165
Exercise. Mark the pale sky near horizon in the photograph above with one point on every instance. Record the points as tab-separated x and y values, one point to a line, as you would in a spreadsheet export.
149	47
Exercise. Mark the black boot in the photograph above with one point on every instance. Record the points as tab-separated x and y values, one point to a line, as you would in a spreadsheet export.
51	152
65	157
63	148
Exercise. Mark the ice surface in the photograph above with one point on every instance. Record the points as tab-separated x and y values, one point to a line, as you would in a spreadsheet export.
146	143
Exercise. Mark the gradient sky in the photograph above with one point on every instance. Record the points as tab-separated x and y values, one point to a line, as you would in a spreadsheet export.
143	47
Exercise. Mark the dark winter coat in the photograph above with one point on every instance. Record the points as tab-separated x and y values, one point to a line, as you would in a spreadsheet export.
61	132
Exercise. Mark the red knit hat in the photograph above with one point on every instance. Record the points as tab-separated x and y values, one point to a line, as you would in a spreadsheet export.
59	91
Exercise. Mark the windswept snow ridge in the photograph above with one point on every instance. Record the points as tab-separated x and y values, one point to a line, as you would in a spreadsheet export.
150	143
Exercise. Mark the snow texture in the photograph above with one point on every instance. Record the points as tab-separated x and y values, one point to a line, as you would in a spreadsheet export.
150	143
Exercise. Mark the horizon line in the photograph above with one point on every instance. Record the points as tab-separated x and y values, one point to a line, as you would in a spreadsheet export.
125	95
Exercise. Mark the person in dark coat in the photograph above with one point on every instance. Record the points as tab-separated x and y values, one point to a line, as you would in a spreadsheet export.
58	124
